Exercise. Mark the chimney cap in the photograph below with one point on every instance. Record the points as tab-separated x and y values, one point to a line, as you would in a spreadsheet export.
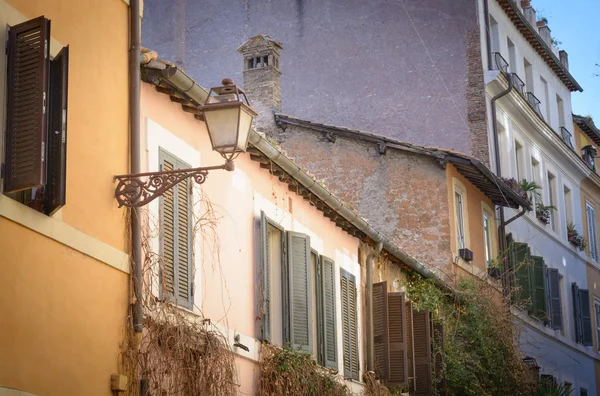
260	42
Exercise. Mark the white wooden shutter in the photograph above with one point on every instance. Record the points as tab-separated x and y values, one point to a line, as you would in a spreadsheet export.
300	300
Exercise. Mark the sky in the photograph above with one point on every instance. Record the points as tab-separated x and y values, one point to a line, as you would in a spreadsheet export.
576	23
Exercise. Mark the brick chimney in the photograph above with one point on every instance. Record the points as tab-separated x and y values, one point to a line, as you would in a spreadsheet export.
262	78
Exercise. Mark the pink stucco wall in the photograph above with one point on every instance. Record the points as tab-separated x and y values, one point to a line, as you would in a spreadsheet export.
226	292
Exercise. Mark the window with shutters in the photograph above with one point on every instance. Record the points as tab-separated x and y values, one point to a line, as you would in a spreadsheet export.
582	315
272	258
176	237
324	324
529	281
592	237
554	299
349	324
597	317
34	162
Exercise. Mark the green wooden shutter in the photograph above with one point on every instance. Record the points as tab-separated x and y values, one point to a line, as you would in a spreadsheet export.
349	324
380	330
586	318
577	313
555	308
299	301
176	249
522	273
328	312
397	338
422	350
592	238
27	105
265	269
538	288
56	181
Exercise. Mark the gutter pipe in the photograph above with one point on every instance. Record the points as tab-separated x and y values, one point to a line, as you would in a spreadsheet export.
370	340
134	101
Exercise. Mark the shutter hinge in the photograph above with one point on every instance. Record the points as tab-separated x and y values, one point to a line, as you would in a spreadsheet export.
63	126
44	103
45	49
43	151
193	289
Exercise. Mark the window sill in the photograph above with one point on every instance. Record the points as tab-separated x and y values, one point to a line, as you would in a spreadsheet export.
63	233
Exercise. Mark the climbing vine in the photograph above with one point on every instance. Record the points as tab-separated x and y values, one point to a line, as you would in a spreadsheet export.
178	353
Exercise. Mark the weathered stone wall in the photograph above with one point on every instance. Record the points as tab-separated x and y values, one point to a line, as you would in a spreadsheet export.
391	67
402	194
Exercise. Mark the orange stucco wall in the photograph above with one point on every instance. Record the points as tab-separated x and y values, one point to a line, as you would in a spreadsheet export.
62	313
227	283
474	225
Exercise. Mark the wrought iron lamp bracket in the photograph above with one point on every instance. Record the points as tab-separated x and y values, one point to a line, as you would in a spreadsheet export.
135	190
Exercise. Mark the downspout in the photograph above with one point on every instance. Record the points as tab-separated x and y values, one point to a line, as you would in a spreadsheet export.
370	350
488	40
134	101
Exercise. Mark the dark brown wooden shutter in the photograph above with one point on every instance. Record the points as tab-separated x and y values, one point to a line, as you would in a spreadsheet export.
438	358
577	312
586	318
55	190
28	67
410	351
397	334
380	330
422	347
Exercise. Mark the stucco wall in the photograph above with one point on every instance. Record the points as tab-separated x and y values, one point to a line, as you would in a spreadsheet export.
226	273
397	68
63	308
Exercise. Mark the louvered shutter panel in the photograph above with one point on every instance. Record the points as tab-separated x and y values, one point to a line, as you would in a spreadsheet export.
439	351
328	309
593	242
265	270
167	201
522	273
586	318
176	250
538	287
554	300
380	330
299	303
184	248
397	336
56	183
26	133
349	324
422	349
410	353
577	312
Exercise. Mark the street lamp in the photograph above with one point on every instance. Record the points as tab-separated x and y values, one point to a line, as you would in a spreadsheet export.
228	118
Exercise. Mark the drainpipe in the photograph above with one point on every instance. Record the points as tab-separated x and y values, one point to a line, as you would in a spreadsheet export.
488	40
134	101
370	350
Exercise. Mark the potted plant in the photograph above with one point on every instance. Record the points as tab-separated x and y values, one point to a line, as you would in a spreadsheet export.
514	185
575	238
542	212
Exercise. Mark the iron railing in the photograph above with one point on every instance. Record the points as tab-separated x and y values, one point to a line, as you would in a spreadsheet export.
534	103
499	62
588	153
566	136
518	83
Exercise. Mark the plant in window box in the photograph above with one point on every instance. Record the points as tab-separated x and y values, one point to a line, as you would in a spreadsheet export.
574	237
542	212
494	268
524	188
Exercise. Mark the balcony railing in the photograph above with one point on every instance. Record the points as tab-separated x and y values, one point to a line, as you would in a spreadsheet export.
589	153
566	136
499	62
518	83
535	103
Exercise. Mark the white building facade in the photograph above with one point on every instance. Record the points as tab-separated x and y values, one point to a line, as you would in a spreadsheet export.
533	123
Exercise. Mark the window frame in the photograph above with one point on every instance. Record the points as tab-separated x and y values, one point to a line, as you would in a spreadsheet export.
591	229
460	190
597	320
489	244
